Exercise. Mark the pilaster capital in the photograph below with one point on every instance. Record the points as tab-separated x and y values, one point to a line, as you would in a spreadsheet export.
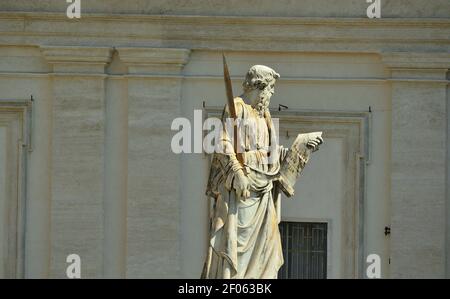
167	61
75	59
415	65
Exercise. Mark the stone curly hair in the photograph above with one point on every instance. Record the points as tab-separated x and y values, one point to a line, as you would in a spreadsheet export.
259	76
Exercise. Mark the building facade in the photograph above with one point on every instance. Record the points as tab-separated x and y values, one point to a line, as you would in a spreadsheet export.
86	107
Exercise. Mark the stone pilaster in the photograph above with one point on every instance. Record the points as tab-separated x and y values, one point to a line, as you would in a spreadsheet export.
418	149
78	118
116	172
154	92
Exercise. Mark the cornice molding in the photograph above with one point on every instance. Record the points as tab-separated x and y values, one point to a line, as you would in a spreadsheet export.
227	32
185	19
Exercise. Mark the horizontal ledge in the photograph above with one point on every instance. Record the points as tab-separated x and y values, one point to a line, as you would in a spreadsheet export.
15	101
24	75
77	74
214	19
414	80
296	79
47	75
306	115
193	77
361	38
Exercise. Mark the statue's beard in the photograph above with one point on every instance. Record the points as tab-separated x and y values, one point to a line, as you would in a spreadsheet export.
259	100
262	105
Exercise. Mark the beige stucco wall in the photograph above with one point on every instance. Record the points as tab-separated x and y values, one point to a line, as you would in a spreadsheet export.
103	182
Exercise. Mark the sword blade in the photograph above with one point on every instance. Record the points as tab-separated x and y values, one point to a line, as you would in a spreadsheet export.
228	89
232	110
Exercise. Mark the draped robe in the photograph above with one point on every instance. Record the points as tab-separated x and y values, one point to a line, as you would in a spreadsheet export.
244	239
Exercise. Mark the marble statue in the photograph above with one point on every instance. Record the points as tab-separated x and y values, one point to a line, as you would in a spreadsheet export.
244	240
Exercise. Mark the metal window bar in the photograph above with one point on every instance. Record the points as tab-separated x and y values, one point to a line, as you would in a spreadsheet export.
304	250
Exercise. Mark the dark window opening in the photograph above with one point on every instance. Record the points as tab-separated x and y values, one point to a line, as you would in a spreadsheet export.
304	250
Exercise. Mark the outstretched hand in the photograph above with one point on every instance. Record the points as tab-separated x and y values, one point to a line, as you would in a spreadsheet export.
314	144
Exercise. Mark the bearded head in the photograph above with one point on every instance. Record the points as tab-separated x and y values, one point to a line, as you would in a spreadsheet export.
259	86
